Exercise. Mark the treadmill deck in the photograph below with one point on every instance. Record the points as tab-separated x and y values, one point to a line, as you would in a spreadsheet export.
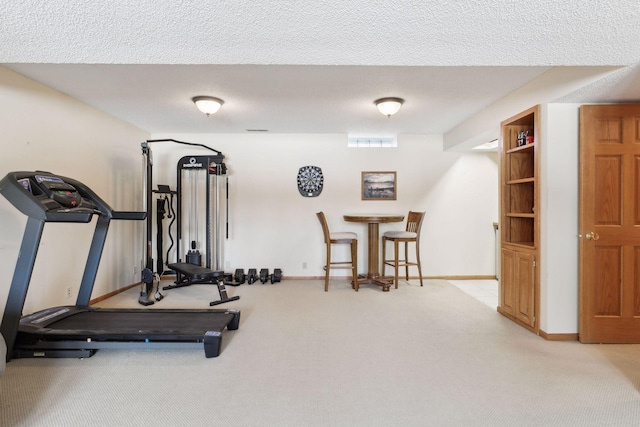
72	327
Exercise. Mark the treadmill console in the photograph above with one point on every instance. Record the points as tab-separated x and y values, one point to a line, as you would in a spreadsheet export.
57	190
50	197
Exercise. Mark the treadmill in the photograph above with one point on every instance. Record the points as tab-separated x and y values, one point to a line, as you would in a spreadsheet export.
79	331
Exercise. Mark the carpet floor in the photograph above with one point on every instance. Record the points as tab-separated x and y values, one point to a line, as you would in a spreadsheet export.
414	356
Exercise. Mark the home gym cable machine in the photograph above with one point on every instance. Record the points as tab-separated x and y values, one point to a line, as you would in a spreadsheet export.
196	198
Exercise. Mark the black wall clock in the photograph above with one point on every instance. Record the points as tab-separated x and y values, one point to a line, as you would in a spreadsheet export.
310	181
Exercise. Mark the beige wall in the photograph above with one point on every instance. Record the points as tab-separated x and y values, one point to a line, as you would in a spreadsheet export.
45	130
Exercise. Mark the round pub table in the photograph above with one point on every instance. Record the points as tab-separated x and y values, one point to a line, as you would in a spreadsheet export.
373	221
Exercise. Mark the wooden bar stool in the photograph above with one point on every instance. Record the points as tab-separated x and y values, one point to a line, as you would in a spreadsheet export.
410	235
339	238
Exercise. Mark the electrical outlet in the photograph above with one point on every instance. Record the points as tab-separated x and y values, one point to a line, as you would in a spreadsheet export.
304	265
68	292
135	270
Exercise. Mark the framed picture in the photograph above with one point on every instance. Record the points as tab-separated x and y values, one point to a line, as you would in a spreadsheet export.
379	186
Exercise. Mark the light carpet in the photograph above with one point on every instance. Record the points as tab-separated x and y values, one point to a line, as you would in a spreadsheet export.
430	356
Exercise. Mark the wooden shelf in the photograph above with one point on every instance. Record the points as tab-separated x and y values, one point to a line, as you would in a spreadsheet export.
528	245
520	181
520	215
521	148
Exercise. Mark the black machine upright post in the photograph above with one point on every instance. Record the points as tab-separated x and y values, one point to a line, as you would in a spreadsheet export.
208	214
179	213
146	152
20	282
93	261
160	211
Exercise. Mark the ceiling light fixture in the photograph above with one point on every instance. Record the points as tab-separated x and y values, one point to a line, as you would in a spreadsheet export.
389	106
208	104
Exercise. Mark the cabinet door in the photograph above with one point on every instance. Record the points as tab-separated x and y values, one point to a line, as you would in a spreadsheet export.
517	286
508	282
525	286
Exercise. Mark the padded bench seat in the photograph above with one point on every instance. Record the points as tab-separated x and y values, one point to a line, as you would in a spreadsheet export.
195	272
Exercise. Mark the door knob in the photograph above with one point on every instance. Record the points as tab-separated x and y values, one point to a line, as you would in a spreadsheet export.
592	236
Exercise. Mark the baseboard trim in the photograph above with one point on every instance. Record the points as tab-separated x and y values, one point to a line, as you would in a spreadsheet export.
558	337
110	294
470	277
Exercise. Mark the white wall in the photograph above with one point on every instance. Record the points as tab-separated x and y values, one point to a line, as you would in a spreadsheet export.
272	226
559	158
45	130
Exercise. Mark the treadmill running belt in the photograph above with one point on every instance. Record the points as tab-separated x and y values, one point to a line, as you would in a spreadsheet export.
142	322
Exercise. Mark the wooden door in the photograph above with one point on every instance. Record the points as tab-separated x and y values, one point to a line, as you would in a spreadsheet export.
610	224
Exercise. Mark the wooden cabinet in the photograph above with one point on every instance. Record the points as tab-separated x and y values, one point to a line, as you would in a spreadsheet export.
519	217
517	296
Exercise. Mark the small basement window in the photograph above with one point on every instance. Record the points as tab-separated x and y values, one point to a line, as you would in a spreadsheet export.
372	141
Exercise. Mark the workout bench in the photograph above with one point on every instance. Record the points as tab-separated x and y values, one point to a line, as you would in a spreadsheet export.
191	274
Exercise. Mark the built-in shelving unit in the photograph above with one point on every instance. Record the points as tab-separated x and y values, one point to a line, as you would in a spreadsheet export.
519	217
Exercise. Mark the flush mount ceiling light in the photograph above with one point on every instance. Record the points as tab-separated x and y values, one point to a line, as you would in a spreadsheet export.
208	104
389	106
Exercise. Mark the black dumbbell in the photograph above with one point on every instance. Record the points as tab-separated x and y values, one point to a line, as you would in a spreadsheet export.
264	275
236	280
252	276
239	277
276	276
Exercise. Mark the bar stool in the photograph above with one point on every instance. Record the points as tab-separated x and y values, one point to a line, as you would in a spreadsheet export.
339	238
410	235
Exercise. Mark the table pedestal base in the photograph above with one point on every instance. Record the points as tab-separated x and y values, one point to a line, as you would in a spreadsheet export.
366	279
373	276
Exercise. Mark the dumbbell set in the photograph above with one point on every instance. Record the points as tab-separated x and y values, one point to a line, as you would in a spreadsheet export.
252	276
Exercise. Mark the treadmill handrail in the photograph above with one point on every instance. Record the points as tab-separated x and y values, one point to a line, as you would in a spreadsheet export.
132	215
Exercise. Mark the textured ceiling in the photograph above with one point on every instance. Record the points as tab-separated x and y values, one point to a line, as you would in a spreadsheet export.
353	32
309	66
